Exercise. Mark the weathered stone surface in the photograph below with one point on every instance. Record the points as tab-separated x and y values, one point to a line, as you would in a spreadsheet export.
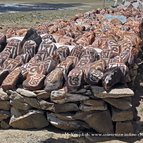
3	95
120	103
89	105
60	97
66	107
4	115
124	127
4	105
34	82
118	115
14	111
54	80
11	80
42	94
100	121
65	125
44	105
33	119
114	93
65	116
3	74
26	93
4	125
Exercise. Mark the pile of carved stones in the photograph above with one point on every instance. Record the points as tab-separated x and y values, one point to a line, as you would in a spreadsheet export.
73	76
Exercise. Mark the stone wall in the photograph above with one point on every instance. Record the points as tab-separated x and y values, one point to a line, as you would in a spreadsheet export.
75	76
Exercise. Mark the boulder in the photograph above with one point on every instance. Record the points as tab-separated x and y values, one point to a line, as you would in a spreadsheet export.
124	127
118	115
114	93
33	119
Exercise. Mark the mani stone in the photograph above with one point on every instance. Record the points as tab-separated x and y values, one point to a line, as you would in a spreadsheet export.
4	105
124	127
33	119
3	95
66	107
11	80
89	105
100	121
114	93
34	82
118	115
120	103
4	115
3	74
42	94
66	125
26	93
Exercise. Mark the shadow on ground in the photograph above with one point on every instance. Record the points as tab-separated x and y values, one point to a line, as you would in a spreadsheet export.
38	6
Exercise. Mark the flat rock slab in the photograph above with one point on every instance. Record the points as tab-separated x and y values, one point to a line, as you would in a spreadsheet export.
4	114
124	127
33	119
114	93
118	115
3	95
4	105
89	105
100	121
42	94
120	103
26	93
66	125
45	105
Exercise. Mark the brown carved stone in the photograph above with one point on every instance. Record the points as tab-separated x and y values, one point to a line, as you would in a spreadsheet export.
11	80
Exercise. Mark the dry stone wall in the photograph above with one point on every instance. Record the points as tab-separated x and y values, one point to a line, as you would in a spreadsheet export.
75	76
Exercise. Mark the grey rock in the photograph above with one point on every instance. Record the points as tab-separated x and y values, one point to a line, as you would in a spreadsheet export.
118	115
4	105
4	114
66	107
44	105
120	103
33	119
114	93
124	127
42	94
26	93
89	105
66	125
3	95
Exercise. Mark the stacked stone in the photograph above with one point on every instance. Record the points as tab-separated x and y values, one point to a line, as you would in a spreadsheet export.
79	85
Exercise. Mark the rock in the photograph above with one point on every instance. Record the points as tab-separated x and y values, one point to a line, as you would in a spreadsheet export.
2	42
4	105
34	82
26	93
118	115
100	121
3	74
33	119
89	105
12	79
66	125
66	107
54	80
14	111
120	103
114	93
124	127
42	94
33	102
44	105
4	115
4	124
3	95
65	116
